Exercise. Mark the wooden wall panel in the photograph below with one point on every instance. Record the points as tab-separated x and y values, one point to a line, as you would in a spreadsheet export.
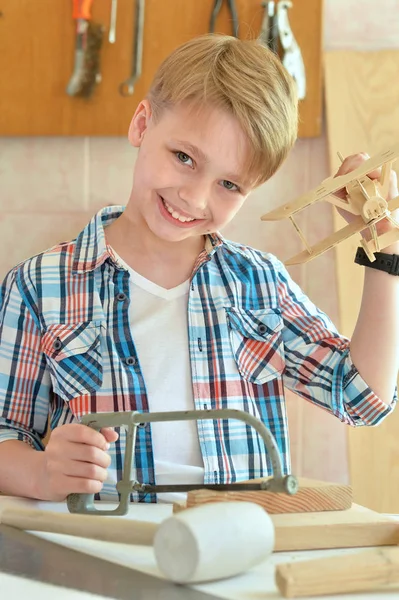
37	54
362	98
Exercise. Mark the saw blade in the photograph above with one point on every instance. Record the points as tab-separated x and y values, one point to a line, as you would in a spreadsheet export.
26	555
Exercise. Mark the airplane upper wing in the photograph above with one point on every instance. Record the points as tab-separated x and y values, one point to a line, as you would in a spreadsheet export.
331	185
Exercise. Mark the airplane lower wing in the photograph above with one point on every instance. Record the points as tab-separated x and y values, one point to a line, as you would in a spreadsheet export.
329	242
356	226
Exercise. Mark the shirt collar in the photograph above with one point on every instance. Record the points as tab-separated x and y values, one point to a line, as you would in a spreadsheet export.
91	248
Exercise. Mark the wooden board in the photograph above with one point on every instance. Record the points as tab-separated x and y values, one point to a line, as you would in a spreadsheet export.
312	496
362	91
353	528
37	54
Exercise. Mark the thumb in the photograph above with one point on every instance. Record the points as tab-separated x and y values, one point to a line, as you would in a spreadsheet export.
110	434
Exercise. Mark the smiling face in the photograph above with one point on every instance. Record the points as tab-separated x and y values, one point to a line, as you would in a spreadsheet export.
190	171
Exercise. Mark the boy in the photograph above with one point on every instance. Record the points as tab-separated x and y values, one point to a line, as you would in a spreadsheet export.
150	309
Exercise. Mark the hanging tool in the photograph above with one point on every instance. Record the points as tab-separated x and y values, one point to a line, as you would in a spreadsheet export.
126	88
112	24
84	503
89	37
292	56
269	30
233	14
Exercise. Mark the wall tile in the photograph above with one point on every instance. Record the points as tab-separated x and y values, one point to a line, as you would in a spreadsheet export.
42	174
277	237
26	235
324	445
320	282
295	428
111	164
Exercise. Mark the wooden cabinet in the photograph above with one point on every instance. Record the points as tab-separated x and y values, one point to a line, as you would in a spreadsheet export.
37	40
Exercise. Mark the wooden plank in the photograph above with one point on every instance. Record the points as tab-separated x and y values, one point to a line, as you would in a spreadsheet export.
353	528
362	91
370	570
312	496
37	53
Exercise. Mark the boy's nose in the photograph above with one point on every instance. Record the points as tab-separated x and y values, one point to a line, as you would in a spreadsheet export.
196	198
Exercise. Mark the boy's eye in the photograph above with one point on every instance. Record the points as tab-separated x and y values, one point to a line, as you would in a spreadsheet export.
183	157
229	185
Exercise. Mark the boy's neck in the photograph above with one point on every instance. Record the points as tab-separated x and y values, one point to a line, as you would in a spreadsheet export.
168	264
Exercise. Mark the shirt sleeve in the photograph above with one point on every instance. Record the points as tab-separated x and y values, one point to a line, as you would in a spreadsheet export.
319	366
24	379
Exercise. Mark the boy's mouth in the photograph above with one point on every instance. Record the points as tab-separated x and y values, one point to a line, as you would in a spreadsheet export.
176	215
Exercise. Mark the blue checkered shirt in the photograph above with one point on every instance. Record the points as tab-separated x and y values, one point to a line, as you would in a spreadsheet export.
66	349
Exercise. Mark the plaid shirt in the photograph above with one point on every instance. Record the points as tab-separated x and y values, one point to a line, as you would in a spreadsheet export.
66	349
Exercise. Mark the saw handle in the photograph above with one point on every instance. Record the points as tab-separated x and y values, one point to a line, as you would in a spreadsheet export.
358	572
84	503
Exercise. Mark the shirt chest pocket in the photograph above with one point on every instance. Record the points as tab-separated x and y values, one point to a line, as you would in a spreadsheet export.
73	354
257	343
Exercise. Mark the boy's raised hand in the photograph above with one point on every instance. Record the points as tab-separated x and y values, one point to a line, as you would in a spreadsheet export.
75	460
350	163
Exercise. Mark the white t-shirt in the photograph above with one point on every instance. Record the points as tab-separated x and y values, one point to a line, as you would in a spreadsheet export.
158	321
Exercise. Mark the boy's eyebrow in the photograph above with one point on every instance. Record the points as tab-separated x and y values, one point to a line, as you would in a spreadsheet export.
192	149
195	151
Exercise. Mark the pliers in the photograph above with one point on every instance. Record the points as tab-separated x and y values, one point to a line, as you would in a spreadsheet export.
233	13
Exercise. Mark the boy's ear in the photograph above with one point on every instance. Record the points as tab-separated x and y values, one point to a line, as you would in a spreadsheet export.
139	123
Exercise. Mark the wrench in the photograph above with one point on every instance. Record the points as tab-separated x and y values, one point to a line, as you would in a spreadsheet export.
112	26
292	59
126	88
233	15
269	31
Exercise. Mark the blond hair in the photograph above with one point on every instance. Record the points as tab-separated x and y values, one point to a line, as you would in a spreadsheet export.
244	77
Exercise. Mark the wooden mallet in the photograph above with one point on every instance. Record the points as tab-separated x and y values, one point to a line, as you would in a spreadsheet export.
208	542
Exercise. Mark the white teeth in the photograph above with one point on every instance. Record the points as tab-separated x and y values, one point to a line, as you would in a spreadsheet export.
175	214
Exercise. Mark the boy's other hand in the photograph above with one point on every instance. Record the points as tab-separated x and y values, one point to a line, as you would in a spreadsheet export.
350	163
75	460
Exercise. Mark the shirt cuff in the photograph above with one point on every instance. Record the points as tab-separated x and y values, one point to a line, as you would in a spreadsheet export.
7	433
361	404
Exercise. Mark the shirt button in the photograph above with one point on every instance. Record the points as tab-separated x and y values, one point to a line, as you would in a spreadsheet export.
57	344
121	297
130	360
262	329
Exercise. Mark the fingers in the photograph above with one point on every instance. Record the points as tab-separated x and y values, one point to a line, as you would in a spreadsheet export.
110	434
78	485
86	454
81	434
350	163
63	485
85	470
76	460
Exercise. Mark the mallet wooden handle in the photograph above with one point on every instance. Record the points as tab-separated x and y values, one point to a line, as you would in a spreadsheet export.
109	529
339	574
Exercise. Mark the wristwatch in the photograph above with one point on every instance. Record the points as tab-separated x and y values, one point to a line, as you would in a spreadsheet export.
383	262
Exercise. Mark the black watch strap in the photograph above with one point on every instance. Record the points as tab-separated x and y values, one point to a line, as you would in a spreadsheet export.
383	262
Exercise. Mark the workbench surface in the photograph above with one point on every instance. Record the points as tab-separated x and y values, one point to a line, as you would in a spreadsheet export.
256	584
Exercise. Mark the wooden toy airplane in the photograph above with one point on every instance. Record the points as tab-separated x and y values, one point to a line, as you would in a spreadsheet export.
366	199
